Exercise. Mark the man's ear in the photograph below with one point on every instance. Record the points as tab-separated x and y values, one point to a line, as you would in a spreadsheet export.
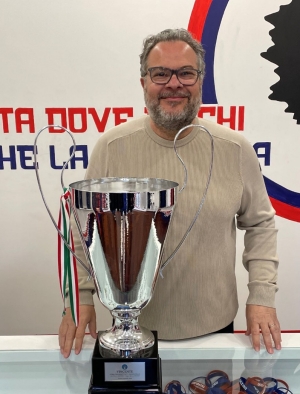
142	80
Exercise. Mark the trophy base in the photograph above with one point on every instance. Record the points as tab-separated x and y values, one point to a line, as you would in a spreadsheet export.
136	375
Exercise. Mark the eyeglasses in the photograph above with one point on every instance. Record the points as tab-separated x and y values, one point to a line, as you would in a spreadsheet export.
162	75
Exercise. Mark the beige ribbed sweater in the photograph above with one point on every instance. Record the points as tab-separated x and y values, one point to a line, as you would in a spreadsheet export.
198	293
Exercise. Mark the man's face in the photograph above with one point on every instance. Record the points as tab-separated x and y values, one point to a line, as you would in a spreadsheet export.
172	106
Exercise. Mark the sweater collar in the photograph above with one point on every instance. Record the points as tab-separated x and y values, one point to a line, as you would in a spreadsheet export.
169	143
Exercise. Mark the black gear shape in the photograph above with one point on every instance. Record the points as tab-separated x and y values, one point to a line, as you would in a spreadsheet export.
286	54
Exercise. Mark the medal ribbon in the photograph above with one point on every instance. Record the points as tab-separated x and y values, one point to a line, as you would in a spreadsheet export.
67	268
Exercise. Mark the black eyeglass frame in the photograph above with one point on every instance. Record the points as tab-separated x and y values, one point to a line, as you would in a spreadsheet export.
199	72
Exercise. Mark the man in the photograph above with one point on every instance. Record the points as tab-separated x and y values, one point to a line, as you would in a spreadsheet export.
198	293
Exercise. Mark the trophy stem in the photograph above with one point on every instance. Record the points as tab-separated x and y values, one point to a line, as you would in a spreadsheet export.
126	338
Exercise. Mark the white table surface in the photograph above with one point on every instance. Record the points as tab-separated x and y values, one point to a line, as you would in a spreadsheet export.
33	364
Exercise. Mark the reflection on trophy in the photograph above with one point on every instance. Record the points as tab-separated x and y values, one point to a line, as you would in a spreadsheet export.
123	223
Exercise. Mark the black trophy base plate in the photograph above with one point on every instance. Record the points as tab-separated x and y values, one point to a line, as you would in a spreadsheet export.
150	362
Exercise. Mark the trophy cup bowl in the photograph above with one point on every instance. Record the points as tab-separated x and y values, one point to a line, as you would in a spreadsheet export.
123	223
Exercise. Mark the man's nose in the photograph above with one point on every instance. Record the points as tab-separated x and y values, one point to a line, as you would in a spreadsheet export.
174	82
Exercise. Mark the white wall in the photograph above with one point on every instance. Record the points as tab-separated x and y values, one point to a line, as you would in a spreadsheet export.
79	54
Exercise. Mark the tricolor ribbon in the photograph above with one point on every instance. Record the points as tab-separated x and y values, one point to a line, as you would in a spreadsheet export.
67	268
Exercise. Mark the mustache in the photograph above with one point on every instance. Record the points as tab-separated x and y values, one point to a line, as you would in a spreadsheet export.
174	94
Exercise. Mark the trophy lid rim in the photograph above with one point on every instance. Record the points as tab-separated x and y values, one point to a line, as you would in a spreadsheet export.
165	184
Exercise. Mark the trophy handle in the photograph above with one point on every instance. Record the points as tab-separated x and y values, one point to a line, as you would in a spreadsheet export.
184	185
63	186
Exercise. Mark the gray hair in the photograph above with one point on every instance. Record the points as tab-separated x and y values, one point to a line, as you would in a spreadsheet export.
171	35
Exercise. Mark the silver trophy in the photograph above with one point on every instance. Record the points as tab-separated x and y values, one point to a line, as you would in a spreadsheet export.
123	224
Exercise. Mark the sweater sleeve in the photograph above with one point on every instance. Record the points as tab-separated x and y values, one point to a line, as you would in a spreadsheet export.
97	168
256	217
85	283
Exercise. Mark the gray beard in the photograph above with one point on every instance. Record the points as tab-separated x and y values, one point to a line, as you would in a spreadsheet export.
171	123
